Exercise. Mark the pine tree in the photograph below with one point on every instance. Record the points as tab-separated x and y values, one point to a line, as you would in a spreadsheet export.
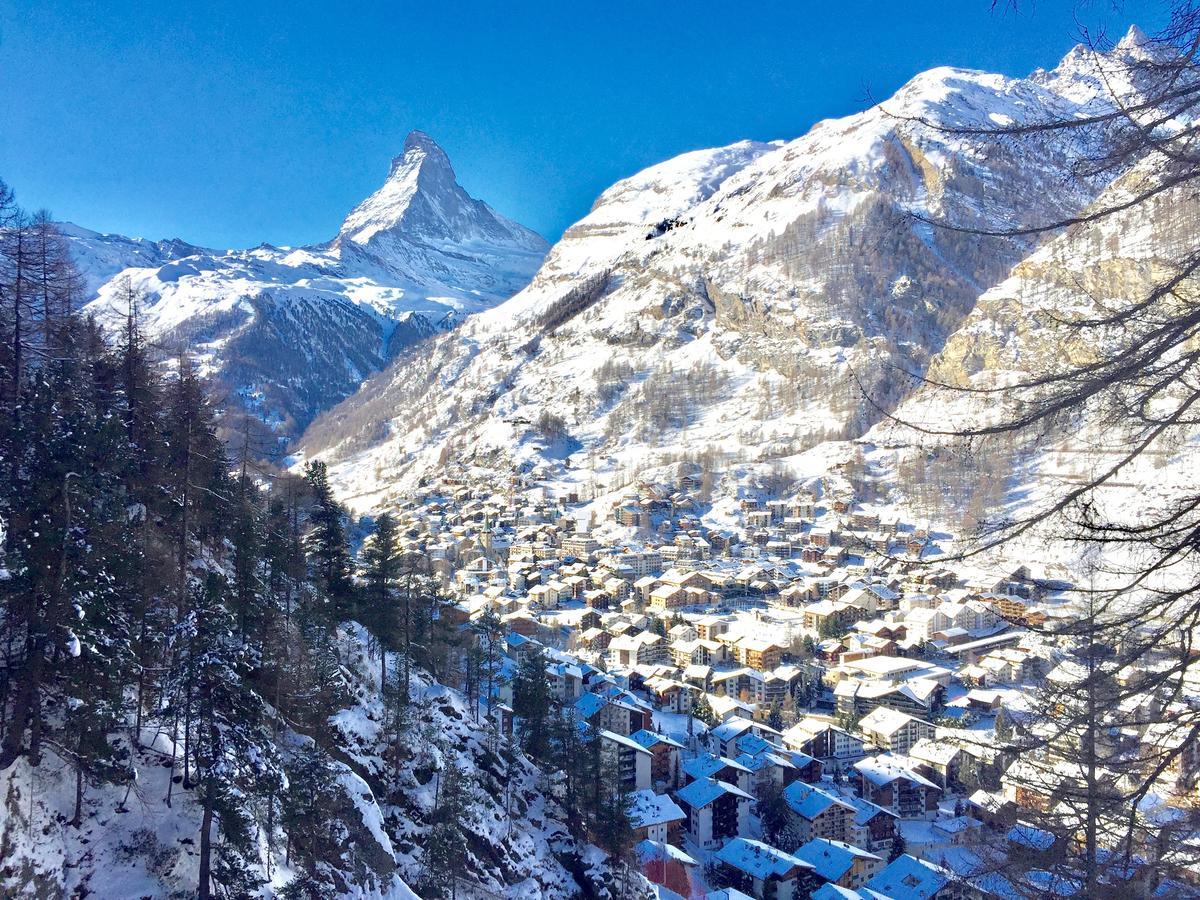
236	762
490	634
306	813
445	846
327	546
380	571
775	716
703	711
247	539
531	704
613	824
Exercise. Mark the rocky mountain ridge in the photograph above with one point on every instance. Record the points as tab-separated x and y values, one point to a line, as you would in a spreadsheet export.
738	301
291	331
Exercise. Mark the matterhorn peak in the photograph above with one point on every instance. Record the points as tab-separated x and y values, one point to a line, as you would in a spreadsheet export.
419	140
422	202
1135	39
420	152
1137	46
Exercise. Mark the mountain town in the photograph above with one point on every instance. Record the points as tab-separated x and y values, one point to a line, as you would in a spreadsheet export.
814	518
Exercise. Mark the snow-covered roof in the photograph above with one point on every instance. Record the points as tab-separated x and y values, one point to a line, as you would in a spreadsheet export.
588	705
706	764
753	744
648	808
932	751
1030	837
909	878
648	739
759	860
623	741
704	791
737	725
888	767
831	859
727	894
831	891
810	801
882	720
651	850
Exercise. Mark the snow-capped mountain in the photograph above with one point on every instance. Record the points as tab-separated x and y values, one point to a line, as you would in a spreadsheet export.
293	331
738	301
1029	327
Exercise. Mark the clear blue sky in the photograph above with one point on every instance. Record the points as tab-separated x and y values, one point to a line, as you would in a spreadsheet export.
232	123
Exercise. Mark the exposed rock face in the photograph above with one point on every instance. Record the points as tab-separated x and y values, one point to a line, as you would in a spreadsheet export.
293	331
739	300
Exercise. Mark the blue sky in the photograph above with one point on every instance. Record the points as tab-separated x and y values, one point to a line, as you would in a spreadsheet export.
232	123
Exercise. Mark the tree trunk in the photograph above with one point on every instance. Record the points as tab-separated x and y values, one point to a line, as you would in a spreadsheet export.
78	788
203	887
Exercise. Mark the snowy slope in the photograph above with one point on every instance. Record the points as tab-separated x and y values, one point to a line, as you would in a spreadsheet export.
132	844
1023	327
415	257
732	301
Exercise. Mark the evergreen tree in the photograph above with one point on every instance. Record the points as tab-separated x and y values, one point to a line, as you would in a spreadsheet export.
306	813
490	633
775	716
247	539
613	823
445	846
236	761
703	711
327	546
380	570
531	704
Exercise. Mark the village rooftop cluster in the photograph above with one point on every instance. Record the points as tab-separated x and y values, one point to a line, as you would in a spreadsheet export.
809	704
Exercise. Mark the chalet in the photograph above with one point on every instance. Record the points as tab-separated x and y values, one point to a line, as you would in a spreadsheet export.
834	747
716	811
624	714
768	772
793	766
874	826
828	616
909	878
940	762
595	639
816	812
698	676
724	737
892	782
681	632
581	546
709	628
840	863
763	870
655	817
917	696
566	681
719	768
698	652
637	649
670	695
889	729
757	653
632	515
666	865
745	684
665	757
628	759
668	597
